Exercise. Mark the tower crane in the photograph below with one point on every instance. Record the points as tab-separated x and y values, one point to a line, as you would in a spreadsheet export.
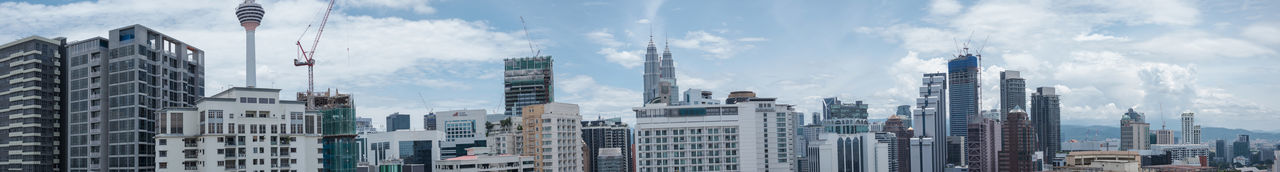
306	57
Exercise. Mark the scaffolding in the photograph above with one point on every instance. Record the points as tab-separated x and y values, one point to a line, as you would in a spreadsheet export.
340	148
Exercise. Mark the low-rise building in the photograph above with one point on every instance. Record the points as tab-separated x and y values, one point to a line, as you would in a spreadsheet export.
1103	160
400	147
482	160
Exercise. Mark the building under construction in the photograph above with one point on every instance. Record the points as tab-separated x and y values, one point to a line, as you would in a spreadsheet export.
341	151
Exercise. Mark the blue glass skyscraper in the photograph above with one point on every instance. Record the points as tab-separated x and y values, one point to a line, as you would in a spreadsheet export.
963	81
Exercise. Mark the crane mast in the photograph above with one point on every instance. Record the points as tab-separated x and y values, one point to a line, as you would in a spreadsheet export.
307	57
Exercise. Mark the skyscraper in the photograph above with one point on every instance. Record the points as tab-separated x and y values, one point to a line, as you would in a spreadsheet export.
1018	142
34	115
397	121
897	126
146	70
1164	136
659	76
1013	91
963	81
603	135
1190	131
1240	148
553	136
928	150
983	144
527	81
1045	117
1133	131
845	118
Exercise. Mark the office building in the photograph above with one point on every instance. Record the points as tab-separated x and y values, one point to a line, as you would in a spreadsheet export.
403	147
963	80
397	121
1017	141
553	136
1013	91
1190	131
850	152
241	128
429	121
610	159
1240	148
34	115
695	96
365	125
928	152
527	81
1183	154
483	161
747	135
1164	136
902	141
462	129
148	71
983	144
1046	115
659	76
1220	150
1133	131
955	151
605	134
833	108
1103	161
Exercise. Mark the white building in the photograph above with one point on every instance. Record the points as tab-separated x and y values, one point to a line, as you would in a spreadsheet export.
695	96
483	161
401	147
505	136
1190	131
750	135
462	129
850	152
553	136
928	146
1183	154
239	129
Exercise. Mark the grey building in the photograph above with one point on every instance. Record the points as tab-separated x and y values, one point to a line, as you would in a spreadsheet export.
928	144
527	81
116	85
1013	91
659	76
1046	119
844	118
1240	148
610	160
33	68
397	121
429	121
604	134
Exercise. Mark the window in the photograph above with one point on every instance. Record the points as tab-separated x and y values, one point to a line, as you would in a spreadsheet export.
163	154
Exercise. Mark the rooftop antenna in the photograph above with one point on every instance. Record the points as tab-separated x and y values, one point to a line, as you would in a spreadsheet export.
536	53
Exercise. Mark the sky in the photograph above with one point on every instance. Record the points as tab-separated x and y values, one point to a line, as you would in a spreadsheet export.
1217	59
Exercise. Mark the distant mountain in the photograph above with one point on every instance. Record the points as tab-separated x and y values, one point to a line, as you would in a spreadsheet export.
1207	134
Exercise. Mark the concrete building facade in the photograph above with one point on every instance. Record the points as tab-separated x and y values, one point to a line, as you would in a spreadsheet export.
606	134
851	152
116	85
1190	131
35	113
748	135
401	147
239	129
553	136
462	129
929	120
1133	131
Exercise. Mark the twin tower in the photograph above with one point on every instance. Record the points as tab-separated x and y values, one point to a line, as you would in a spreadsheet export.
659	76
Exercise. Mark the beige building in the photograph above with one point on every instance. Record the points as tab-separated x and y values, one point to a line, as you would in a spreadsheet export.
1103	161
552	135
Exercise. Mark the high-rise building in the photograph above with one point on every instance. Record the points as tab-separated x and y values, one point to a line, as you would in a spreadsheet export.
955	151
904	111
397	121
902	136
1046	114
605	134
462	129
1240	148
553	136
816	118
36	97
429	121
1017	141
338	116
229	132
845	118
146	70
749	135
1133	131
527	81
963	80
1190	131
611	159
1013	91
695	96
408	147
659	76
365	125
798	141
851	152
928	150
1164	136
983	144
1220	150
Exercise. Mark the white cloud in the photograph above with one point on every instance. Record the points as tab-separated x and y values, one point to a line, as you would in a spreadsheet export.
642	21
1199	45
944	7
628	59
595	99
717	46
417	6
1262	33
1097	37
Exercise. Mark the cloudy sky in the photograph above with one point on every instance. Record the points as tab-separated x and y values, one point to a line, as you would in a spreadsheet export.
1162	57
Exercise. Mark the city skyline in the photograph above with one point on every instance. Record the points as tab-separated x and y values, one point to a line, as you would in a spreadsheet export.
1101	62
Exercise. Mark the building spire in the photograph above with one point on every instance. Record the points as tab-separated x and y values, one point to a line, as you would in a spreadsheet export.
666	45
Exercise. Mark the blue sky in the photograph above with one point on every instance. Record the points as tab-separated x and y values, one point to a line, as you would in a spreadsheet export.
1162	57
